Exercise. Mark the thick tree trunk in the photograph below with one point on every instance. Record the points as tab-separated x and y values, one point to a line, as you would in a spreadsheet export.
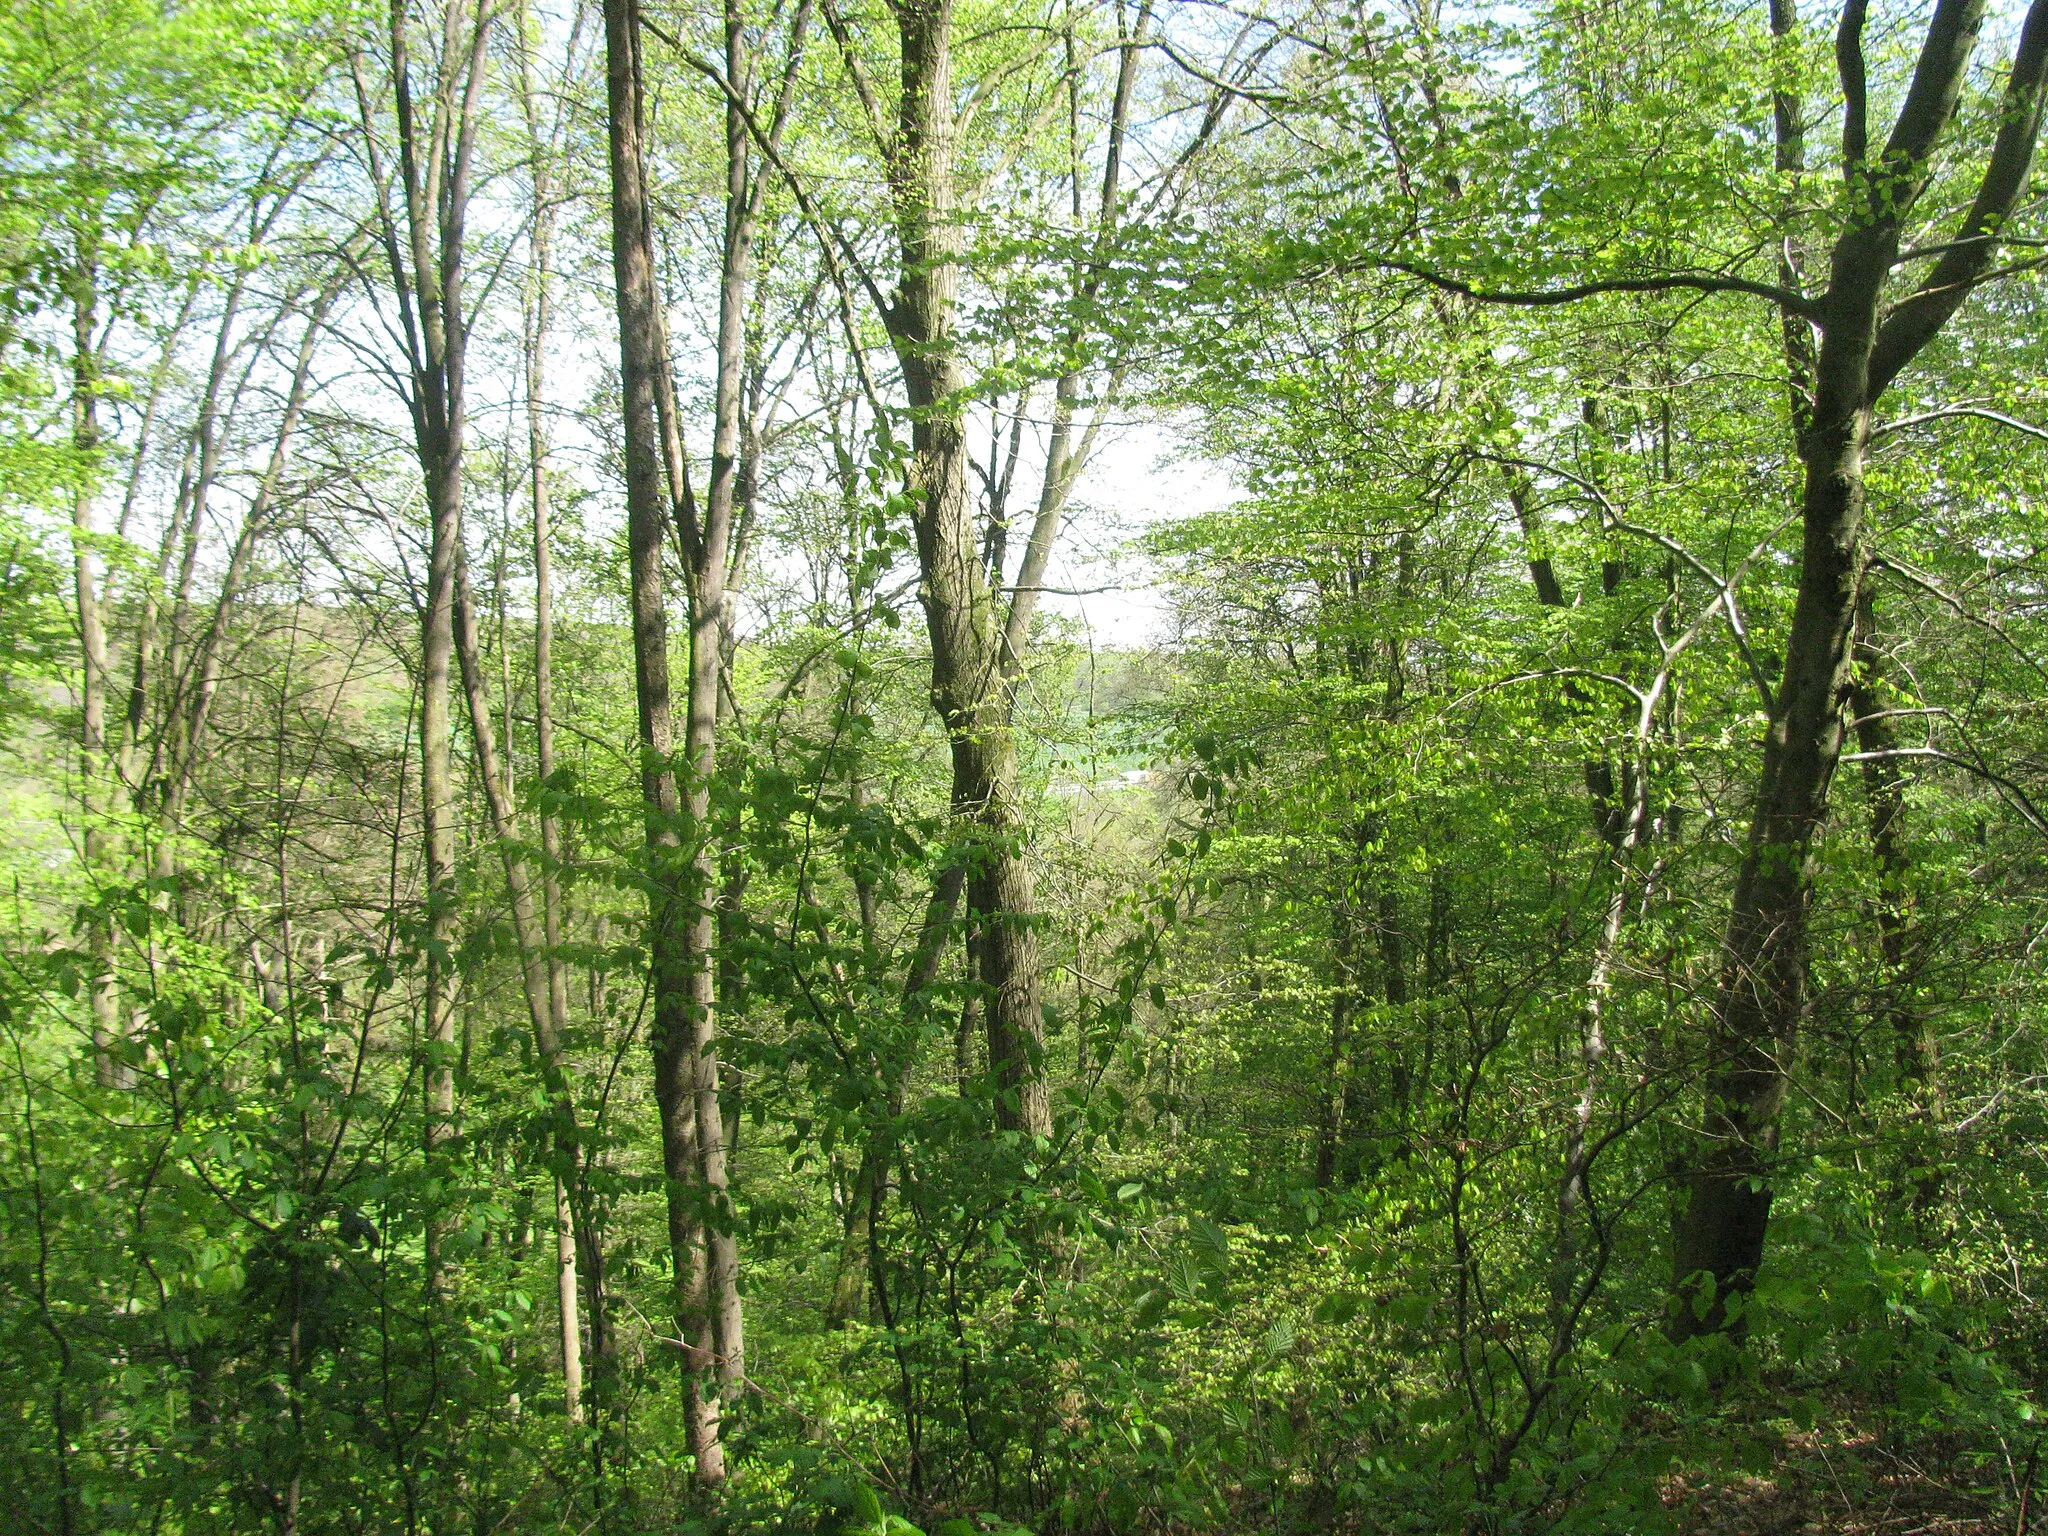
968	665
1763	965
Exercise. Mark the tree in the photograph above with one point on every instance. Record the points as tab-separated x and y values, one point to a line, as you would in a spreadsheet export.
422	216
1866	339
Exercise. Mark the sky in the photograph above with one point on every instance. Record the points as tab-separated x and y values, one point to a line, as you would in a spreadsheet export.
1147	473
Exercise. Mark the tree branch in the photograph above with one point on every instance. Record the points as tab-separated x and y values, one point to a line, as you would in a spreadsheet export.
1849	65
2019	798
1953	412
1915	320
1669	282
1724	586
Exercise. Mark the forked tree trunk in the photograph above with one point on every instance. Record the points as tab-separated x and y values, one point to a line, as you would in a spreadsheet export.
188	715
710	553
1863	346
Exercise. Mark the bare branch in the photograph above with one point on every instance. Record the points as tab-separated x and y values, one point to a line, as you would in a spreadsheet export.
1849	65
1955	412
1669	282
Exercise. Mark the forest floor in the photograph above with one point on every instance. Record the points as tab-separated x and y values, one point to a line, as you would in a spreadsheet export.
1841	1481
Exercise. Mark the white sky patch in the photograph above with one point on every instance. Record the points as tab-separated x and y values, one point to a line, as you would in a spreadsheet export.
1147	473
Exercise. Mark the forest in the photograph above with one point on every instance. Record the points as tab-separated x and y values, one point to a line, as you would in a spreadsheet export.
1023	767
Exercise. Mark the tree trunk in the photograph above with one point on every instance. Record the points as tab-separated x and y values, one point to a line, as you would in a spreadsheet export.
710	555
575	1229
111	1068
188	715
1864	345
424	242
643	364
1763	975
567	1309
1916	1052
1342	1103
437	803
546	993
968	666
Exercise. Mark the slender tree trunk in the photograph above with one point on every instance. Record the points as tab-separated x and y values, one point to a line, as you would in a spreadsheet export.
142	682
1342	1103
568	1312
437	805
424	240
643	366
711	558
575	1230
544	754
195	491
491	770
1916	1052
109	1033
1572	1190
709	623
1394	987
860	1254
189	712
849	1283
